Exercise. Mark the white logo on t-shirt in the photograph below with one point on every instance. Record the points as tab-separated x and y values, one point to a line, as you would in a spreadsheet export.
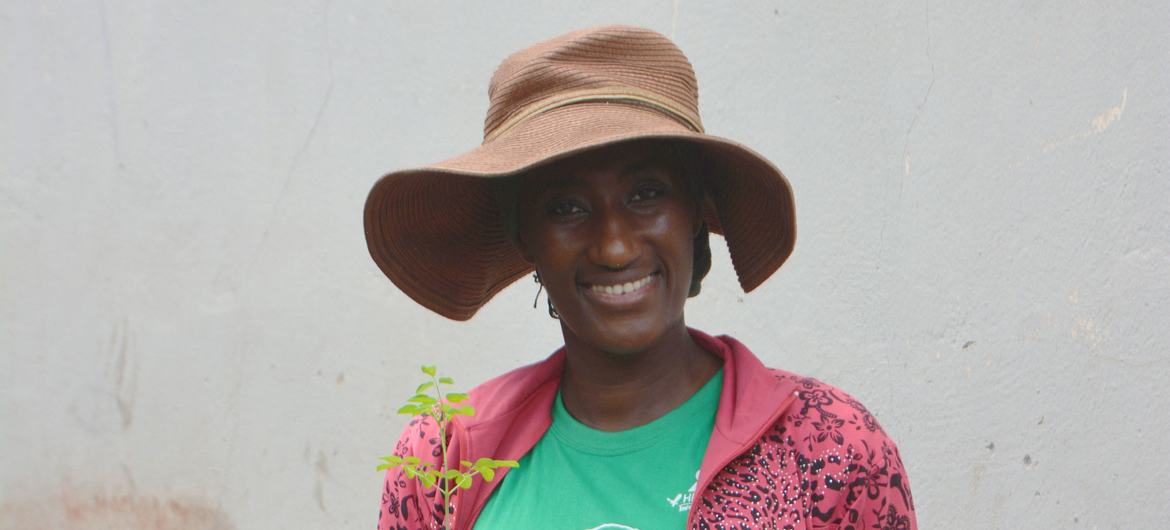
683	500
612	526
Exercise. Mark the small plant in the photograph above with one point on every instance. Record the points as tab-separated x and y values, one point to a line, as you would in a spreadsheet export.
442	408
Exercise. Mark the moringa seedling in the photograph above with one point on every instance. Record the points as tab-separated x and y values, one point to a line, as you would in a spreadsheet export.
442	407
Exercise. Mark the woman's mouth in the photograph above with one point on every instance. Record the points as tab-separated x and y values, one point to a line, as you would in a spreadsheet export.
623	288
625	292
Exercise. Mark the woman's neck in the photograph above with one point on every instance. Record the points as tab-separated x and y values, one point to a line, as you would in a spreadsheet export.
616	392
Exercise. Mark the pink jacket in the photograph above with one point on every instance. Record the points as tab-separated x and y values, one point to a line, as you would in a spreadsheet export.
786	452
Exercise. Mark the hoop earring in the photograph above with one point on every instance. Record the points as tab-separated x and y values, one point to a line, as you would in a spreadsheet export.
552	311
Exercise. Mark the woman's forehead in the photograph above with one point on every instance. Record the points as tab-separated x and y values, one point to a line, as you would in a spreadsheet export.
622	161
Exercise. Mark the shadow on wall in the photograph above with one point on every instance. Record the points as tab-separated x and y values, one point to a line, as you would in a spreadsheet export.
100	512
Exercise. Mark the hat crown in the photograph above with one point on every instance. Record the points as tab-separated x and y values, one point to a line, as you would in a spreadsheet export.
619	61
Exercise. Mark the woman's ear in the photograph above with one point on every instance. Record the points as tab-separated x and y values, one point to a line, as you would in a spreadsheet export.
700	220
523	247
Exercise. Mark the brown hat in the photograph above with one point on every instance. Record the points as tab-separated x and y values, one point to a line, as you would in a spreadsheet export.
436	231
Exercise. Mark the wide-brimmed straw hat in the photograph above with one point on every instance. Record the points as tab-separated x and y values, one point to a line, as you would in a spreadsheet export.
437	233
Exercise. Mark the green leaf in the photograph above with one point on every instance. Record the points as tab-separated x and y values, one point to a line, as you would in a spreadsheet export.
410	472
392	459
446	381
422	399
488	474
412	460
451	473
384	467
482	463
456	397
408	409
466	410
429	370
505	463
464	481
465	463
423	387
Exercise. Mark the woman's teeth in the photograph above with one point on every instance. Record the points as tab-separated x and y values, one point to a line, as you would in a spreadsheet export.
622	288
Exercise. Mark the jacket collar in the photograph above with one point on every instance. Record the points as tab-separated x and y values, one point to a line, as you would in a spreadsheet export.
752	399
514	411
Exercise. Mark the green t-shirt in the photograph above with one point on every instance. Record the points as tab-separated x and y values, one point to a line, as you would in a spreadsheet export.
580	478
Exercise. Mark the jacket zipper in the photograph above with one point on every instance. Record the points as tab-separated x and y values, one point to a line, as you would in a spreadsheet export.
699	488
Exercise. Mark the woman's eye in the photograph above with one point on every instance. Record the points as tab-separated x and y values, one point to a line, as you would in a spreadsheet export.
646	193
564	209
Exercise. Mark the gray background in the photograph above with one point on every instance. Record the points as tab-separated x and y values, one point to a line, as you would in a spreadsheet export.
192	334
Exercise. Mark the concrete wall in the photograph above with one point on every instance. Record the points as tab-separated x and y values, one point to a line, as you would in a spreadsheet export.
192	334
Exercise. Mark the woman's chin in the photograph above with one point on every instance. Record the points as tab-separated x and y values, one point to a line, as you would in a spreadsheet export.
620	338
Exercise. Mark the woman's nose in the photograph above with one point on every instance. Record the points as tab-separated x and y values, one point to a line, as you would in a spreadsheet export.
615	243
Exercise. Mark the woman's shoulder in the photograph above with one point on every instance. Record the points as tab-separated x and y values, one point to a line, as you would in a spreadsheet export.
819	413
830	411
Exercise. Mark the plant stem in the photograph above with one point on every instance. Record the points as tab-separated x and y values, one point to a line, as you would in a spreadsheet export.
443	454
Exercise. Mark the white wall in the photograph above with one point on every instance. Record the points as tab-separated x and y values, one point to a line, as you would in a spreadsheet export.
192	334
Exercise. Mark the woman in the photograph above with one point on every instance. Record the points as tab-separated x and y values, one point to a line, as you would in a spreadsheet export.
596	174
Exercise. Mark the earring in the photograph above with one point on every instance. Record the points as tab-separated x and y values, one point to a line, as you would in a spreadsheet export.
552	311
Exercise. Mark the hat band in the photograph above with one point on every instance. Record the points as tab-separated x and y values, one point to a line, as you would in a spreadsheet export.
629	96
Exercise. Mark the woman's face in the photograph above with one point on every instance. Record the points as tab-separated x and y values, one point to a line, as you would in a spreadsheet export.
611	235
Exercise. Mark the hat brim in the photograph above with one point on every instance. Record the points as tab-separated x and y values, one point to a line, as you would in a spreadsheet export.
436	231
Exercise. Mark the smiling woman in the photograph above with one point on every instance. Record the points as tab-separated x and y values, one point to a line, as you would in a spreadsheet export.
611	236
596	175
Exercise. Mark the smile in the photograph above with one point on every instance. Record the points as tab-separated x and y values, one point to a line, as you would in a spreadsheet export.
623	288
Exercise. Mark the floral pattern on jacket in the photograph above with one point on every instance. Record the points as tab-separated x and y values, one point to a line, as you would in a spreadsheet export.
826	463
